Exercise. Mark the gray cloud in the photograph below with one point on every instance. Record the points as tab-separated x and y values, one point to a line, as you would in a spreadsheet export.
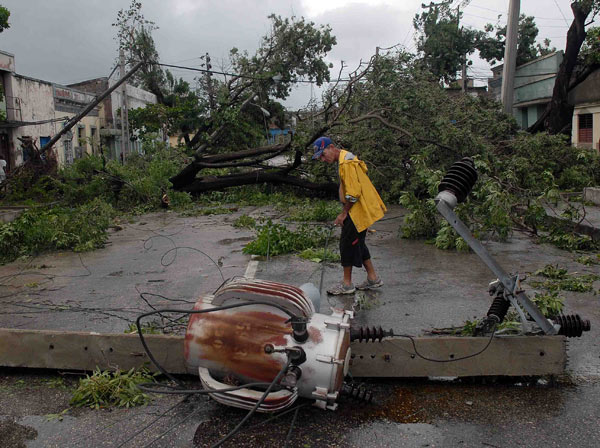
71	40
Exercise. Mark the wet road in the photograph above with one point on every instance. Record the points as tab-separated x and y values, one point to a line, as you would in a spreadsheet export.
424	288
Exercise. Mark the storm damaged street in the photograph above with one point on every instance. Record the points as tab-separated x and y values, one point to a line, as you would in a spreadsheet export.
425	289
299	224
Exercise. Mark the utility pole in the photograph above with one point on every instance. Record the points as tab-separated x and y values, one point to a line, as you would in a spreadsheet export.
510	56
124	109
209	86
464	56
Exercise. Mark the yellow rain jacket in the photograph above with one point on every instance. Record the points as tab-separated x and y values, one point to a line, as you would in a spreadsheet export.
369	207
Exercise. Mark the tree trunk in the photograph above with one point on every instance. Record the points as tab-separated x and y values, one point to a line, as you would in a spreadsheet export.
187	175
558	114
209	183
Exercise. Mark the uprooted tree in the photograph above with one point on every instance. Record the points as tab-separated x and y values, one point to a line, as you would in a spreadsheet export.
222	122
394	113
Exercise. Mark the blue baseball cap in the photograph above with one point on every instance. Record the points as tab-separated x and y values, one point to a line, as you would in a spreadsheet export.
320	144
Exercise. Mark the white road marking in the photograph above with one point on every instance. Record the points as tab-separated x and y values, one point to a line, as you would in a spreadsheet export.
251	269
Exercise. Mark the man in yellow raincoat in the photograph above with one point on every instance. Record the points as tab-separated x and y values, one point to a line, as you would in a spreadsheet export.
362	206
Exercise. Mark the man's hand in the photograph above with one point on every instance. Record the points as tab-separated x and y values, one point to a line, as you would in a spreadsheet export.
340	218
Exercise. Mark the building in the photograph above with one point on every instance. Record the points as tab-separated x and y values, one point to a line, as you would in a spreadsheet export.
278	136
38	109
534	83
455	89
110	118
585	98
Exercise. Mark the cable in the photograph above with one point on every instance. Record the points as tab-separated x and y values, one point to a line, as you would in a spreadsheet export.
150	424
448	360
255	78
289	434
172	427
190	248
281	414
258	403
561	13
150	387
324	254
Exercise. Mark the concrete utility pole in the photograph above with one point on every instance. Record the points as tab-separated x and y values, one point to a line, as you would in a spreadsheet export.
464	74
510	56
124	109
209	86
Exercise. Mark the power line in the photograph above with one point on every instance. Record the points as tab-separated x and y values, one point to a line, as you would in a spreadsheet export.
561	13
505	12
256	78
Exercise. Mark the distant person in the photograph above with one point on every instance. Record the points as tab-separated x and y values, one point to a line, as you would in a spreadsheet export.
2	169
362	207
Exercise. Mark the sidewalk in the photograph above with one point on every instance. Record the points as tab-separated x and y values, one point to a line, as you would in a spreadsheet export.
587	224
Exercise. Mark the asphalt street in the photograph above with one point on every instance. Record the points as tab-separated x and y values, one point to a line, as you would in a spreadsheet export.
179	257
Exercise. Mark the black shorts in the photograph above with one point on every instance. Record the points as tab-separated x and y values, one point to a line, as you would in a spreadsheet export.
353	250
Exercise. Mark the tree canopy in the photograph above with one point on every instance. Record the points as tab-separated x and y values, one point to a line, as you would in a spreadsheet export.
445	45
491	45
4	15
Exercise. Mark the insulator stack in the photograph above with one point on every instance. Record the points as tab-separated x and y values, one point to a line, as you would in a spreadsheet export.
571	325
498	309
459	179
369	334
357	392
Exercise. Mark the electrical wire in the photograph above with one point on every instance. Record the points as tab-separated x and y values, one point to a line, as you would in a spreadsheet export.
172	427
151	423
289	434
323	263
235	430
176	249
412	340
173	390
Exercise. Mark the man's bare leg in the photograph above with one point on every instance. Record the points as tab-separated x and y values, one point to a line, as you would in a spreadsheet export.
347	275
371	274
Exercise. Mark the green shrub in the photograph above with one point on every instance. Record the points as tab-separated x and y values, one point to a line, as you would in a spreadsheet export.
311	210
319	255
550	304
276	239
105	389
560	280
569	241
41	229
245	221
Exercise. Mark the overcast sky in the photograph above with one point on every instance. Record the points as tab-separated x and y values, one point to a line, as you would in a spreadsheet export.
66	41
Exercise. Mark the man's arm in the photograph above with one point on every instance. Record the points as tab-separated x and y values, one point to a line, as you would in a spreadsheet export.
348	203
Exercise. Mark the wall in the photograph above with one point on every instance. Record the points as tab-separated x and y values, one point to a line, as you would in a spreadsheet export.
136	97
534	83
68	102
33	101
587	109
585	98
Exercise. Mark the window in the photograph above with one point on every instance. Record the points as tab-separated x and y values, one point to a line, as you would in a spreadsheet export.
585	128
81	136
93	138
525	118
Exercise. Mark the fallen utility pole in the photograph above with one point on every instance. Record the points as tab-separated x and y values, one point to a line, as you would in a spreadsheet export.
88	109
393	357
